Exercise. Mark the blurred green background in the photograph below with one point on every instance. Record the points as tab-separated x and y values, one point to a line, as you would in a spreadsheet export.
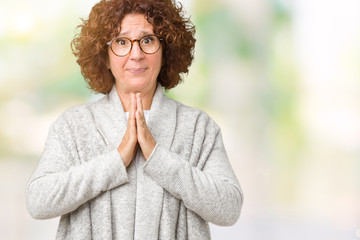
280	77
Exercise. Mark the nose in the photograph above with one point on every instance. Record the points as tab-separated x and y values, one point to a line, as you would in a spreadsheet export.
136	53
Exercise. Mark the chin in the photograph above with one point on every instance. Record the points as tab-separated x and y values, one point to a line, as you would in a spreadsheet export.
136	85
139	85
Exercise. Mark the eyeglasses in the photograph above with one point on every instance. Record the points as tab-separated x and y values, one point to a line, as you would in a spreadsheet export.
122	46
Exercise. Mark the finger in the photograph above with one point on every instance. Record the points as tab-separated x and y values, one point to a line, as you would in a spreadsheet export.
140	122
131	121
139	105
145	138
141	129
140	111
132	106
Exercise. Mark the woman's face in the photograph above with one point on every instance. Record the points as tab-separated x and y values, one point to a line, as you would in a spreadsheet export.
136	72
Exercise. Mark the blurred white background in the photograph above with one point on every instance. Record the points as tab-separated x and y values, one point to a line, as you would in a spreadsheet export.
280	77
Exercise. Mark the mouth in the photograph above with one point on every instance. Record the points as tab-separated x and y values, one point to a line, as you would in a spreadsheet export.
136	70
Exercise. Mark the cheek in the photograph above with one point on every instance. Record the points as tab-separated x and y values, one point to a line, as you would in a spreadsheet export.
116	63
113	61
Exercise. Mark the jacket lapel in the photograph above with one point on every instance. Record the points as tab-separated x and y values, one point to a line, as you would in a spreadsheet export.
111	122
110	119
150	195
162	118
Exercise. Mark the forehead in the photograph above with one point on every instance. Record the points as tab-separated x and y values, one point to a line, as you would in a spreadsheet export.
135	24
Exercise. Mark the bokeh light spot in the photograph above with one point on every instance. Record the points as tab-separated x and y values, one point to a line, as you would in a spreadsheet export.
23	23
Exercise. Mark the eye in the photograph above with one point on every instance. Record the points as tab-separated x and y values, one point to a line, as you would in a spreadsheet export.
122	41
148	40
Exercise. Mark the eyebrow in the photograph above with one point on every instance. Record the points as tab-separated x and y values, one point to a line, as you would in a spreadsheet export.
141	33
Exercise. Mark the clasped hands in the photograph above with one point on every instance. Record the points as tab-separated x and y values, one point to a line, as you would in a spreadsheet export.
137	133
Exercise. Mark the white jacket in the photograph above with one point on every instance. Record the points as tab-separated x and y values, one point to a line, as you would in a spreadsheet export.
186	183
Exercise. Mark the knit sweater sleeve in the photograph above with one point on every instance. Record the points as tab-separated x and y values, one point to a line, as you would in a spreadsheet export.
61	184
211	190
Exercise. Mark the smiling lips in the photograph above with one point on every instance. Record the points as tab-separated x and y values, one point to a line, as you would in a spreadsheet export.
136	70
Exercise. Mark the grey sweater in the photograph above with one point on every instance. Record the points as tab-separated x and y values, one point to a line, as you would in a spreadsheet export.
186	183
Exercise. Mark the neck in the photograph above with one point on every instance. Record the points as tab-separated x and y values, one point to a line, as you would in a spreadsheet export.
146	98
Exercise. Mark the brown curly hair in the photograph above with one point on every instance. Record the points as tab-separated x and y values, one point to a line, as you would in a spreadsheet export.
90	48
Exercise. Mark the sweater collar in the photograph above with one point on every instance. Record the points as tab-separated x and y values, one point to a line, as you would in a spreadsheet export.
111	118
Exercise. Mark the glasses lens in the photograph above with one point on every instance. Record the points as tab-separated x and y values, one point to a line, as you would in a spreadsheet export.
121	46
150	44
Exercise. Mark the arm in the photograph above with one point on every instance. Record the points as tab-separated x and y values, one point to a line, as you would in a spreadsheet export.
212	192
58	186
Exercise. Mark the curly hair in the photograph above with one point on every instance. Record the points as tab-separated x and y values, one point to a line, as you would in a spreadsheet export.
90	48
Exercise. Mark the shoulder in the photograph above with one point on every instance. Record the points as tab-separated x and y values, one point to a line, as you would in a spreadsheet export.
195	135
187	115
80	115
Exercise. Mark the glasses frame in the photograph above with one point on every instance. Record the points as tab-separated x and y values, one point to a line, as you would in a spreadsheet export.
132	44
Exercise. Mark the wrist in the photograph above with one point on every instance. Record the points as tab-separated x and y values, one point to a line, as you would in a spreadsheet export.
123	157
150	150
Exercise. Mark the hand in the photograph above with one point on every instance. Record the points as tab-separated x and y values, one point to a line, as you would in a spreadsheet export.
137	133
128	145
144	136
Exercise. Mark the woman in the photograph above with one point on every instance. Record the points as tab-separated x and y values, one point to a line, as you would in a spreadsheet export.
134	164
